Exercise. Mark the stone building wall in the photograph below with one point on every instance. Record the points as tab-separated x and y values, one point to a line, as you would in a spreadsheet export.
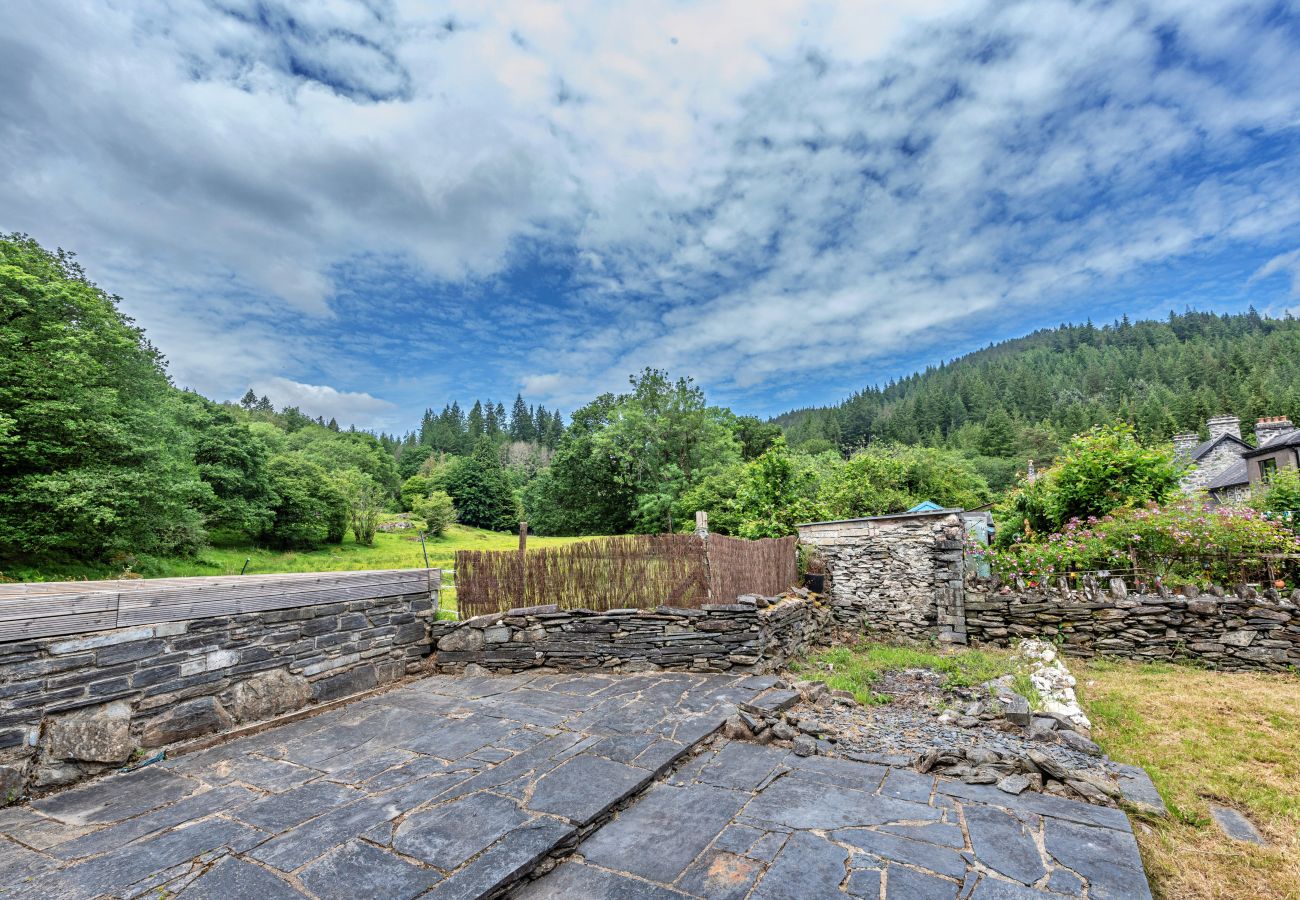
1210	465
1253	631
741	637
894	575
73	706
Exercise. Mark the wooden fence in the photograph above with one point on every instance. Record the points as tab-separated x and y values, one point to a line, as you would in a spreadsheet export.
46	609
635	571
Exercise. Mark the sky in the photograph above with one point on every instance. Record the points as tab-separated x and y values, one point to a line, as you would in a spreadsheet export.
367	207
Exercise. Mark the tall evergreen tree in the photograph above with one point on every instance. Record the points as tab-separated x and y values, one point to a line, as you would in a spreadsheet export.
521	421
474	424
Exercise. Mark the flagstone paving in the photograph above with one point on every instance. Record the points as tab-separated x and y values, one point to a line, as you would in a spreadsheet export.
749	821
460	787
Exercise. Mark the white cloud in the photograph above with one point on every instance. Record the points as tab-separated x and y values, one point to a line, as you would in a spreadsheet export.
348	407
1280	264
745	191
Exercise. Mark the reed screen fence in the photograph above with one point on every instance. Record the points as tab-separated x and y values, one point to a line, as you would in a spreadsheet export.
633	571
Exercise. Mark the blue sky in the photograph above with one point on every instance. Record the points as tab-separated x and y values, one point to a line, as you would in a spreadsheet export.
366	208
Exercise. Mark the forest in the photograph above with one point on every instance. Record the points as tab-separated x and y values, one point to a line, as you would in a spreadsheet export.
103	459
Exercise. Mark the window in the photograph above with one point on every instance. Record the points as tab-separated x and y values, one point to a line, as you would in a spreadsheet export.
1267	468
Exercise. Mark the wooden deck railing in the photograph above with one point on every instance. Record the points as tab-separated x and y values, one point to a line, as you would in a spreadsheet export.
46	609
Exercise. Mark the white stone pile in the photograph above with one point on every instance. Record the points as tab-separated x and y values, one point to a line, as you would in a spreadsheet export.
1053	681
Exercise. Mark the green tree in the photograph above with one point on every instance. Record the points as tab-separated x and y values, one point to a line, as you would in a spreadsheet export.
415	488
1098	472
662	437
1105	469
998	437
521	421
776	494
412	459
437	510
755	436
365	501
308	508
481	491
93	460
335	452
891	478
231	461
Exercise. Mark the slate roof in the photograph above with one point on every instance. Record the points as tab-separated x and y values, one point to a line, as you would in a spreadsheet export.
1277	441
1233	474
1206	446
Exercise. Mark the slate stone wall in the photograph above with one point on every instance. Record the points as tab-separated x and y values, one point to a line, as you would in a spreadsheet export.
71	707
1225	631
743	637
894	575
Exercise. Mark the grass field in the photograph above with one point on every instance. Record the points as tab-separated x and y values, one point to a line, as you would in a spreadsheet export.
1202	735
858	668
398	550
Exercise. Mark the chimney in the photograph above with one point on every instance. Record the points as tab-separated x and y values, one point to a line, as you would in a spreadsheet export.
1184	444
1269	427
1221	425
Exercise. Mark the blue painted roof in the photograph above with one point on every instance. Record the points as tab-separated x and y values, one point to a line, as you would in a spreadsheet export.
926	506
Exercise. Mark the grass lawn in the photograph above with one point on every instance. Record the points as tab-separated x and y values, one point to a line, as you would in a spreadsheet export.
858	668
1202	735
398	550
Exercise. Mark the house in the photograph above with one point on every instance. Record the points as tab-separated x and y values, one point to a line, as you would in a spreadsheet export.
1227	467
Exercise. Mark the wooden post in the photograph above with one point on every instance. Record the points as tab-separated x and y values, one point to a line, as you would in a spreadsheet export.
702	523
523	536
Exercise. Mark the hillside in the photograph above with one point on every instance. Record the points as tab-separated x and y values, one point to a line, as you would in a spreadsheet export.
1019	398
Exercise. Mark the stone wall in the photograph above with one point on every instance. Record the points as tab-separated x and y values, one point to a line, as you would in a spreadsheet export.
74	706
894	575
752	635
1251	631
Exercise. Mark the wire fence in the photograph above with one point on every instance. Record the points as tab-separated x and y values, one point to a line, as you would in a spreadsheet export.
633	571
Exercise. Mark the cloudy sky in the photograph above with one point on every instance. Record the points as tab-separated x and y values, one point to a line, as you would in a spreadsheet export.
369	206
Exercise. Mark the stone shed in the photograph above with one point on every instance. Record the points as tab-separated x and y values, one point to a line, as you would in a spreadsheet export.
895	574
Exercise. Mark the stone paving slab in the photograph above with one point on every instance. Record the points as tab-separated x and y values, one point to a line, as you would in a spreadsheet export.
447	787
461	787
776	825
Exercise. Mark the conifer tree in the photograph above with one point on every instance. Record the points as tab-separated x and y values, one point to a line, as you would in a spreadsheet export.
474	425
521	421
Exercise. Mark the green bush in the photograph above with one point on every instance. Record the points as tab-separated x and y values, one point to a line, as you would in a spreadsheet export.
437	510
365	501
1281	499
413	489
1098	472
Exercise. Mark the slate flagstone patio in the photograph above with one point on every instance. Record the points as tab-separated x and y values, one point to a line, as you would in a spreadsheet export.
464	786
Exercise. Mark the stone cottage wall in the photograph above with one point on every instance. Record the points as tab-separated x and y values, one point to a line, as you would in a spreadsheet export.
73	706
1254	631
894	575
1210	465
740	637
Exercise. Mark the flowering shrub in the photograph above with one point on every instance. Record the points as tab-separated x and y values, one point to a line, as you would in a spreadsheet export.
1099	471
1184	542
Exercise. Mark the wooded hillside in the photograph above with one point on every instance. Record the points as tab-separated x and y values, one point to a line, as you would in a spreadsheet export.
1021	398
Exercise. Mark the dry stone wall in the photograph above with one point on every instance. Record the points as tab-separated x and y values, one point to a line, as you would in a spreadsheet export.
894	575
73	706
1249	630
754	634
